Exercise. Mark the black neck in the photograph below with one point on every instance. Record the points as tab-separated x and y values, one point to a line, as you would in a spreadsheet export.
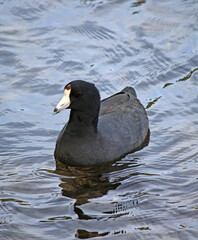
82	122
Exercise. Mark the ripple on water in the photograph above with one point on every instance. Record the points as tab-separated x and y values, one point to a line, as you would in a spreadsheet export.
93	31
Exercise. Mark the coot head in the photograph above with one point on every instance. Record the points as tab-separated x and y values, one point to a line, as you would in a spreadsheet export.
79	95
83	99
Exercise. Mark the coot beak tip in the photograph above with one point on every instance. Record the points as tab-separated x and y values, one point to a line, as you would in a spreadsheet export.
55	111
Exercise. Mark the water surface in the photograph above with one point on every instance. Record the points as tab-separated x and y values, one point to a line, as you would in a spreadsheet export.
150	45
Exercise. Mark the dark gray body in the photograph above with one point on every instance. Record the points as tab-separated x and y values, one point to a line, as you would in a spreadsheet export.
122	128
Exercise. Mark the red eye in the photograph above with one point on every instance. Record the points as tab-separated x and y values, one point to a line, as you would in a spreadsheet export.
77	93
68	87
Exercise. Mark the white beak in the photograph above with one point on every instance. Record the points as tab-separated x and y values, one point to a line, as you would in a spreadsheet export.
64	102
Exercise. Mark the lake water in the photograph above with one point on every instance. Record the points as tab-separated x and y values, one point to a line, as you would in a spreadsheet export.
148	44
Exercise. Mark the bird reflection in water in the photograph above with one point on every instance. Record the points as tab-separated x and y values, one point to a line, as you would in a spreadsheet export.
86	183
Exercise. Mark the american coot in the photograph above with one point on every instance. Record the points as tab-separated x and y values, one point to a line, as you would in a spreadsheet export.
99	131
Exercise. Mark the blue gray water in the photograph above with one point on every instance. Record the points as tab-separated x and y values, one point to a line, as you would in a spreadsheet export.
151	45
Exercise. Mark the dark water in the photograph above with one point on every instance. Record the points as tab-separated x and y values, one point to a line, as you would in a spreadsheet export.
151	45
